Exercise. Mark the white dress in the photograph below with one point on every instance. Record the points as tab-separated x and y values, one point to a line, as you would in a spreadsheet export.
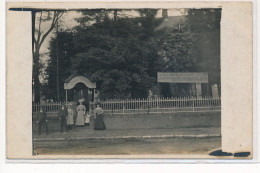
87	119
81	109
70	120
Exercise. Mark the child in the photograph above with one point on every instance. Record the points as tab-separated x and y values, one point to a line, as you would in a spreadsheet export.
87	119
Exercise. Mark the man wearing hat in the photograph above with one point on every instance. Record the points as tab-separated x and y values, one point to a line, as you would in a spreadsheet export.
63	117
41	118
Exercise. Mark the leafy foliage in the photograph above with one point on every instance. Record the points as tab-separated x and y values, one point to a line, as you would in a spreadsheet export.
175	49
65	48
205	26
114	55
123	55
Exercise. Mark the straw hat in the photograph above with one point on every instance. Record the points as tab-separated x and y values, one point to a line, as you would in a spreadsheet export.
81	100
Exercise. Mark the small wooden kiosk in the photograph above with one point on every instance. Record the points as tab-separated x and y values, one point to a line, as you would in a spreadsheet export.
77	82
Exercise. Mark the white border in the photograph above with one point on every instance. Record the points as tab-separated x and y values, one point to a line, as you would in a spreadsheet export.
2	83
256	81
256	88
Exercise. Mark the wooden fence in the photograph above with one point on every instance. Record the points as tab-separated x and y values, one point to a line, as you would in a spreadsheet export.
139	106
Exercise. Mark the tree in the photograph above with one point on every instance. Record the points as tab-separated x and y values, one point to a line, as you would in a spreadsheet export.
204	20
148	21
39	37
117	64
175	50
205	27
111	50
65	48
122	55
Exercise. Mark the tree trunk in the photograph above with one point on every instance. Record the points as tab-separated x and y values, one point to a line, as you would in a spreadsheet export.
37	42
36	85
165	14
115	15
57	61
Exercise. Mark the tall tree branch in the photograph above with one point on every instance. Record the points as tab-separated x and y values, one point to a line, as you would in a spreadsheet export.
55	19
38	41
39	30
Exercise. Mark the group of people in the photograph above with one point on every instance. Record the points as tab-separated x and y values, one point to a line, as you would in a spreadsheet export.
68	119
66	115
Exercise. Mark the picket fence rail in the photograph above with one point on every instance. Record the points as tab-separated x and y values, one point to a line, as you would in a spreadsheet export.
48	107
153	105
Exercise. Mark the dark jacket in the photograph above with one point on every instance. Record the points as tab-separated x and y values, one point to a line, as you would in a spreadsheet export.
41	116
63	113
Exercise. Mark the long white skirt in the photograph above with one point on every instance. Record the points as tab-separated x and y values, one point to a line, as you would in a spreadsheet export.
70	120
80	119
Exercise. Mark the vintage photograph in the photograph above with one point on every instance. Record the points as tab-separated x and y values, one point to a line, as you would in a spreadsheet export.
126	81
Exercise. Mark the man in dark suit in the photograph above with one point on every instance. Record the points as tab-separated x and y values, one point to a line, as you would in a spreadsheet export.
42	119
63	117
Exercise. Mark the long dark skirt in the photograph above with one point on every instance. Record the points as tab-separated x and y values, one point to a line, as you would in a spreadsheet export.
99	123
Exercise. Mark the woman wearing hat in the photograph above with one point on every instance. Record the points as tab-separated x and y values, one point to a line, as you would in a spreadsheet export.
98	122
81	109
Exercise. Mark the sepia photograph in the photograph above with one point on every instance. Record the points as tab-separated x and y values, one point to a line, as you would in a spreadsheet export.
125	81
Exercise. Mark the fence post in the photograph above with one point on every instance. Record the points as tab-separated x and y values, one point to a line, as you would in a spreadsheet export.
157	104
112	108
123	107
193	105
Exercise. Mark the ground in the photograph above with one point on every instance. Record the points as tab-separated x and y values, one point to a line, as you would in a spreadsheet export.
86	141
129	146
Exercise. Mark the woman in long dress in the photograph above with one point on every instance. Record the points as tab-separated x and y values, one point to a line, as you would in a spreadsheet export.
99	116
70	119
81	109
